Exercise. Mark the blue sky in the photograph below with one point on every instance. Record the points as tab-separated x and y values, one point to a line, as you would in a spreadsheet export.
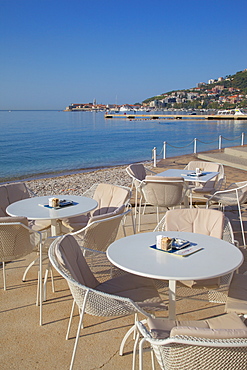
58	52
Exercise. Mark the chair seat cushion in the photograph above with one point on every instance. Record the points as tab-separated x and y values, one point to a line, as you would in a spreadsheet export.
209	333
226	321
135	287
223	326
161	327
237	295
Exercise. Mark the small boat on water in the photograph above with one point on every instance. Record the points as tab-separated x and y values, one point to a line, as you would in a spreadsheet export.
126	108
235	112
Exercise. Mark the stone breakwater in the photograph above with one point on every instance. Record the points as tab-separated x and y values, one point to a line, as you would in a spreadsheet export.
77	184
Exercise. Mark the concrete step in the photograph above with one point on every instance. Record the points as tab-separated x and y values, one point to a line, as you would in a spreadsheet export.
235	161
237	151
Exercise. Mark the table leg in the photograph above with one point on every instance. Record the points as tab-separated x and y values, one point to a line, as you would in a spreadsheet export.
40	284
172	299
54	228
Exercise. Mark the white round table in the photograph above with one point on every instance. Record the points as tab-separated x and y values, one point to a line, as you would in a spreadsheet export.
133	254
33	208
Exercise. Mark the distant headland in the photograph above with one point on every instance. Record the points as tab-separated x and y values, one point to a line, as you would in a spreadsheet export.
227	92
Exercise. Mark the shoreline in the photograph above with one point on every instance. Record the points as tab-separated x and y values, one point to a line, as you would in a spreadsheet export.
48	175
78	183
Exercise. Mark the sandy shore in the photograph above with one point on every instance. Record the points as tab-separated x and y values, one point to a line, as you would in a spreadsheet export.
78	183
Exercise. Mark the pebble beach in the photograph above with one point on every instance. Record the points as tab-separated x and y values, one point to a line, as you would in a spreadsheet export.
78	183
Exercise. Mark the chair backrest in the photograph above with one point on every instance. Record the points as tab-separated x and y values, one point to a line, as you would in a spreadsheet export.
11	193
221	179
101	231
163	191
17	191
14	238
136	171
4	201
228	235
69	255
109	198
214	183
196	220
204	166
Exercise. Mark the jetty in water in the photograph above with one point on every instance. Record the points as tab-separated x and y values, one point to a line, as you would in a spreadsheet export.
178	116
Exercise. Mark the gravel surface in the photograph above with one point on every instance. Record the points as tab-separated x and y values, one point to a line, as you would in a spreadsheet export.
77	184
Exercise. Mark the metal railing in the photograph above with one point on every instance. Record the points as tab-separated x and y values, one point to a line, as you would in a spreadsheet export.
194	142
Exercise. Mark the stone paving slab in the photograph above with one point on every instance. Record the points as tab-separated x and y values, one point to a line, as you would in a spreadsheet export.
240	151
234	157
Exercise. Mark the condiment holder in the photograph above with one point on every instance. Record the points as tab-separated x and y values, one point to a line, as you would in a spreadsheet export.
54	202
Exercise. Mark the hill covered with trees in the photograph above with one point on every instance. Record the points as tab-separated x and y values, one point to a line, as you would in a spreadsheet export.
224	93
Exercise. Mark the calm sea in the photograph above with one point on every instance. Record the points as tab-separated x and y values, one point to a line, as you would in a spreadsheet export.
34	143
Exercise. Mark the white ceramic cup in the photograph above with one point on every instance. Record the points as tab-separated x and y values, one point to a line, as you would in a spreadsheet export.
50	202
198	171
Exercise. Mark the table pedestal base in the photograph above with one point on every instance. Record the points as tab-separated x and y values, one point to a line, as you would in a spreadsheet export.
172	299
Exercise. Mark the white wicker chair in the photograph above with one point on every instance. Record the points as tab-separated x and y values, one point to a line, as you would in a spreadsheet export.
234	195
10	193
198	191
17	240
163	192
109	197
94	238
199	347
13	192
100	231
98	299
138	172
209	222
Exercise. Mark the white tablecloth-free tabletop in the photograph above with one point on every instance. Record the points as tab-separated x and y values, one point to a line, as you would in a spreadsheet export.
33	210
132	254
206	176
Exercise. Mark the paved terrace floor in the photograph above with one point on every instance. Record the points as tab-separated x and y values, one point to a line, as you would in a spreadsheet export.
26	345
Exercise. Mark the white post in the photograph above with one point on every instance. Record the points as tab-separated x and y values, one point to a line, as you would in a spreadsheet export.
154	156
242	140
220	142
195	145
164	150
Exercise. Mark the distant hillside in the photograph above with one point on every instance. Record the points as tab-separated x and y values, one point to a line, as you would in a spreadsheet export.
226	92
